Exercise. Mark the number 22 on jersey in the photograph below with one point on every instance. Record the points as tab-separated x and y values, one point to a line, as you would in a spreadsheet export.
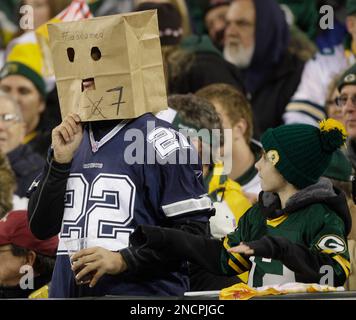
101	210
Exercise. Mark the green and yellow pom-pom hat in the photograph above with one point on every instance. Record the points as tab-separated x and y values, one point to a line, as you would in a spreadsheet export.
301	152
25	60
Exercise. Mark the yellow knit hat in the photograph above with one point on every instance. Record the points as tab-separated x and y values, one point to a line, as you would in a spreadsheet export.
25	59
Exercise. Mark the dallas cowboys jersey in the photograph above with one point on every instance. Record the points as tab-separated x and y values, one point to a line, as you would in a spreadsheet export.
133	175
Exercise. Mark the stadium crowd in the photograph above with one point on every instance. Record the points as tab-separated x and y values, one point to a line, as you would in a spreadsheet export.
271	87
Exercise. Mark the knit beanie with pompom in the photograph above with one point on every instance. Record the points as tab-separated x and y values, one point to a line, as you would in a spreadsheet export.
301	152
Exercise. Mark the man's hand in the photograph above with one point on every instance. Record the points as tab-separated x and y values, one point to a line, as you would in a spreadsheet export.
97	261
66	138
242	248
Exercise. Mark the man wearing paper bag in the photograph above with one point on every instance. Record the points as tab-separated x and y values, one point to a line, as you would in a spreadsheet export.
110	80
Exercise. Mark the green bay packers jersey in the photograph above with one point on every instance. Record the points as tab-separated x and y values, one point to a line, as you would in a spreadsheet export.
305	245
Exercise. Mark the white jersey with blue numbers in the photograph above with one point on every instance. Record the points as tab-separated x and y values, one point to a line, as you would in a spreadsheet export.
131	176
308	102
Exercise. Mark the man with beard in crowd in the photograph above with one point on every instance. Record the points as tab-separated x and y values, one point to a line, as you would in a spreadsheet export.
256	41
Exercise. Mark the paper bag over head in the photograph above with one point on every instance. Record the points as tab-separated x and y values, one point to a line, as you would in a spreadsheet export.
109	67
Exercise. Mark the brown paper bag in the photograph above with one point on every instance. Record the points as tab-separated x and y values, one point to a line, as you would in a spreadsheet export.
121	53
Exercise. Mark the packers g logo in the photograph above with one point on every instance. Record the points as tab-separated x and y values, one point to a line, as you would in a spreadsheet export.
332	243
273	156
350	78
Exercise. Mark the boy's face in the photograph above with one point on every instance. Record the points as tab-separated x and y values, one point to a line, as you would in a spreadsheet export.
271	179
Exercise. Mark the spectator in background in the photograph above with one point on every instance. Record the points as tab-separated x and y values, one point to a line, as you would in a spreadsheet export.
108	7
31	55
308	103
196	10
340	170
179	5
171	32
9	200
347	103
215	21
305	14
331	108
23	81
235	113
340	174
193	64
7	185
196	118
256	41
25	163
8	26
22	255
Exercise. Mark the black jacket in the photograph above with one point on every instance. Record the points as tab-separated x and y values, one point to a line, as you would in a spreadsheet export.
270	100
27	165
207	67
41	143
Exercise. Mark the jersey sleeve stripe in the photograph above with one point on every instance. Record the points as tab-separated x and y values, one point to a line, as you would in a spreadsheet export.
328	251
306	108
309	103
245	265
241	260
185	206
235	267
343	263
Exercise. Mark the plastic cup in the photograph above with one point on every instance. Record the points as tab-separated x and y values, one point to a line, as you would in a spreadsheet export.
73	246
